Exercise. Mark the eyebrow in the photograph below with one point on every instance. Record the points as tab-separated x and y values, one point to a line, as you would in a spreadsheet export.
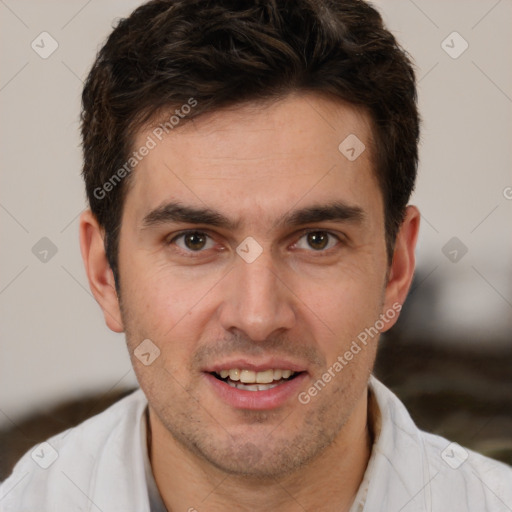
178	212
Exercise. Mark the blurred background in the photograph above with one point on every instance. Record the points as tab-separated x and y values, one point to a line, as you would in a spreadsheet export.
450	356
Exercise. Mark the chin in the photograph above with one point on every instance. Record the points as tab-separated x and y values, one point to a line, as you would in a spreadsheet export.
261	459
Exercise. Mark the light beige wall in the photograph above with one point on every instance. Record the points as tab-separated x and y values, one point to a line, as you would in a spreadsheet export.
54	343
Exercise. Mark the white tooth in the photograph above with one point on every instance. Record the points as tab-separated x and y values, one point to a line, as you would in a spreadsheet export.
286	373
224	373
234	374
264	387
247	376
265	377
250	387
278	374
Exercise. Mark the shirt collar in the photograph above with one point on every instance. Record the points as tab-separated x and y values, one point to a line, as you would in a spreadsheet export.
375	426
398	473
155	500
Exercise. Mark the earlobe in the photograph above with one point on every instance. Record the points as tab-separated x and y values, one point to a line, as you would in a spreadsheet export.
99	273
402	267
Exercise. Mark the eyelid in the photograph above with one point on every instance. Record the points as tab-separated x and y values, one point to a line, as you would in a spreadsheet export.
170	238
305	231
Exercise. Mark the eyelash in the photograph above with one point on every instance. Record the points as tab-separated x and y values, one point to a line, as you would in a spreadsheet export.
305	232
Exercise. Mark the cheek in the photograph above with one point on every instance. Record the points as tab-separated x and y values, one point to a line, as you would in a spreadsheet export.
345	311
160	292
168	306
348	297
155	312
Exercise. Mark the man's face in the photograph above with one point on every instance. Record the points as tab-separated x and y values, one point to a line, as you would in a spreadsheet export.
276	182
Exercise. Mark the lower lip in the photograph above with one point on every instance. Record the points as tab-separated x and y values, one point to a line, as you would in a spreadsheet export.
256	400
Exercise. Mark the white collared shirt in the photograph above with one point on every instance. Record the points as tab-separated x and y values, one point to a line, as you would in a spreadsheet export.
102	465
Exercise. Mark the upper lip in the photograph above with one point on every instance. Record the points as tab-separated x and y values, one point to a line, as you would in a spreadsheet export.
244	364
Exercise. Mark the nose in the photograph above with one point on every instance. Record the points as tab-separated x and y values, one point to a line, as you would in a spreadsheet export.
257	300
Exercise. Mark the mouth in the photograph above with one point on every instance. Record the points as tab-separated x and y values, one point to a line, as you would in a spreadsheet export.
244	385
250	380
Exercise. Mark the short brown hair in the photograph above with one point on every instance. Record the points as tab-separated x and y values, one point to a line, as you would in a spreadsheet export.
226	52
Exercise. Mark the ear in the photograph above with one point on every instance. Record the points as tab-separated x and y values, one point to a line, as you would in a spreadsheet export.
402	266
99	273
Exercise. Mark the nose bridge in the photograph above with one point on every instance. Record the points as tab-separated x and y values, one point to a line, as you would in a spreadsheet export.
257	282
259	303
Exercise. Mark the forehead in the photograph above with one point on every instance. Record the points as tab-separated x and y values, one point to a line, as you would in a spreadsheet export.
258	159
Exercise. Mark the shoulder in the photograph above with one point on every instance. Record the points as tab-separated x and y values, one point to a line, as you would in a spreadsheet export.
65	468
463	473
422	471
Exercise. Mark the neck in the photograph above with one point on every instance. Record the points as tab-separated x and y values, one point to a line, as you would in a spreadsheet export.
329	482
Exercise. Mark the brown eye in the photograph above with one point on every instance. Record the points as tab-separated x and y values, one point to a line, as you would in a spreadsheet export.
317	240
193	241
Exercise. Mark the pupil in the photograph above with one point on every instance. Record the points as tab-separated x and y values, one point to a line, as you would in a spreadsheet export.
195	241
317	240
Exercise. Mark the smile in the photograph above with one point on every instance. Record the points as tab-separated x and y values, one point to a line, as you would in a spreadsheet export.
250	380
257	387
